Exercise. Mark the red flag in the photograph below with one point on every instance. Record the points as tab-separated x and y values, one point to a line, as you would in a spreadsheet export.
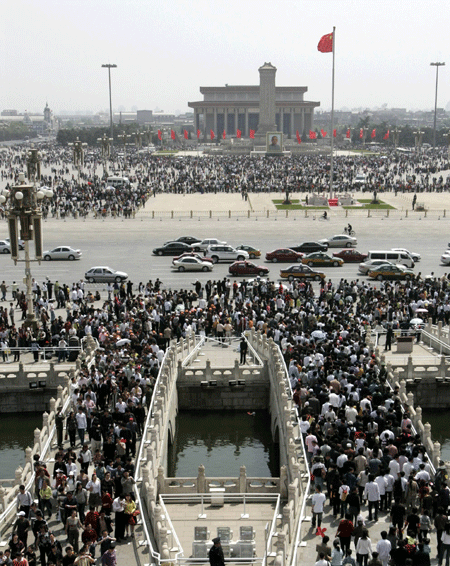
211	133
347	135
224	135
361	133
334	133
186	135
312	135
159	135
326	43
386	135
198	134
299	139
374	133
324	134
252	134
172	134
238	134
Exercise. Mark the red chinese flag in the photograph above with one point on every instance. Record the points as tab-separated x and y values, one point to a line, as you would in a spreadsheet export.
374	133
312	135
159	135
386	135
211	133
186	135
361	133
347	135
172	134
324	134
299	139
334	133
238	134
224	135
198	134
326	43
252	134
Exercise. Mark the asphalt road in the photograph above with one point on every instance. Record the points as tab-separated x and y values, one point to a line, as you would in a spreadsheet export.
126	245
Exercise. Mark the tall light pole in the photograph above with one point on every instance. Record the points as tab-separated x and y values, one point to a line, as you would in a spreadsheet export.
110	66
437	65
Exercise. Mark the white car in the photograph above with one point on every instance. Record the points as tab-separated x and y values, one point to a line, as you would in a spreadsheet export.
192	264
225	253
21	243
203	245
416	257
360	179
370	264
340	241
445	258
4	247
62	252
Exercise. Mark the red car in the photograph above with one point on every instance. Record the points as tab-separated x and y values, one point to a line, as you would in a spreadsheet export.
284	255
193	254
351	256
247	268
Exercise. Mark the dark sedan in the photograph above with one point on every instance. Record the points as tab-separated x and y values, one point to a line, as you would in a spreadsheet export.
351	256
186	240
172	248
284	255
309	247
301	272
247	268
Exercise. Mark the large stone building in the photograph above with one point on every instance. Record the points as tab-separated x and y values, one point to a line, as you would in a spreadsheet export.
261	108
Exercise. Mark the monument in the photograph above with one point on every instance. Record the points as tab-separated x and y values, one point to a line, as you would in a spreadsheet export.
266	100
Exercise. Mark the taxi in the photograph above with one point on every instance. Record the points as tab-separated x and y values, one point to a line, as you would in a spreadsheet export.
323	259
253	253
391	272
301	272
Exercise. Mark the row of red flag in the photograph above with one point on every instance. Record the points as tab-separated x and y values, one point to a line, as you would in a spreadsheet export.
312	134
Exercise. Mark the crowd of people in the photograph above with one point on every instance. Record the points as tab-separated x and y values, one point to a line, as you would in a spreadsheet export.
84	192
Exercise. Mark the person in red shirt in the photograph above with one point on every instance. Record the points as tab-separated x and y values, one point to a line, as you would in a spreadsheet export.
92	518
89	537
344	532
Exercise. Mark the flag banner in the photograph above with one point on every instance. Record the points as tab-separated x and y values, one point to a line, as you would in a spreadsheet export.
324	134
386	135
238	134
299	139
312	135
159	135
326	43
172	134
373	134
211	133
252	134
361	133
224	135
348	134
198	134
334	133
186	135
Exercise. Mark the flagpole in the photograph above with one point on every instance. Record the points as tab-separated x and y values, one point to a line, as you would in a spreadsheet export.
332	119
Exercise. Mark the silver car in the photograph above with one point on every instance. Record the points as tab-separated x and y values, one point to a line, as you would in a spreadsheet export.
192	264
368	265
340	241
4	247
62	252
103	274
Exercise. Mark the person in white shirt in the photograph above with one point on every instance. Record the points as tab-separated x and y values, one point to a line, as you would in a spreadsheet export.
317	502
384	548
363	549
372	495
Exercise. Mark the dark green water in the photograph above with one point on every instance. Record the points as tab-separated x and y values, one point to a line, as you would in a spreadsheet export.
223	441
440	429
16	433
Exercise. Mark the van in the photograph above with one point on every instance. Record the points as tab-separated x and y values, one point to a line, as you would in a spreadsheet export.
392	256
118	182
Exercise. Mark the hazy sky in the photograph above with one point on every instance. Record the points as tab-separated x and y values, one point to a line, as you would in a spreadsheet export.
165	50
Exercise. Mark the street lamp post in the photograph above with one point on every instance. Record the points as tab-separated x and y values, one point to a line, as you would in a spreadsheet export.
110	66
396	135
418	135
24	207
437	65
78	154
106	150
365	130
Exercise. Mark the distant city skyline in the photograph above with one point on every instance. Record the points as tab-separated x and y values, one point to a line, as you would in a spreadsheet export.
165	52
